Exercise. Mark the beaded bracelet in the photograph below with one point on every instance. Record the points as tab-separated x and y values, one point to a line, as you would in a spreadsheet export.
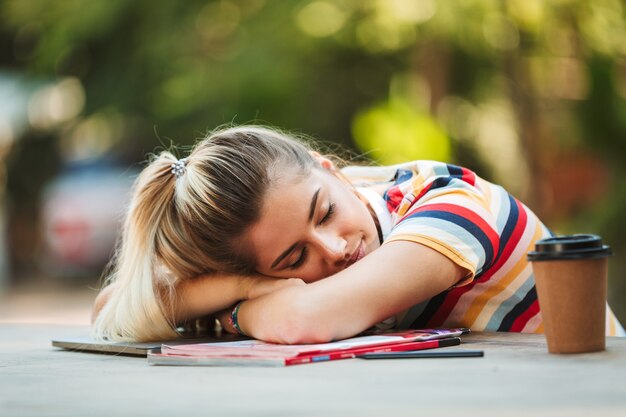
233	319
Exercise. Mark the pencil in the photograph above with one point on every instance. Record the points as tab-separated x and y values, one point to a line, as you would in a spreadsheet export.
457	353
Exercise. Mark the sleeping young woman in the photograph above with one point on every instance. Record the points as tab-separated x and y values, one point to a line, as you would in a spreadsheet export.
282	246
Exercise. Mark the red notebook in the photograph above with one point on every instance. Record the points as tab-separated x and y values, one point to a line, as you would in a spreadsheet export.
258	353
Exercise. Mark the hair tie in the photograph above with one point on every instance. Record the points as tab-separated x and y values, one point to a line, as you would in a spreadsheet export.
178	167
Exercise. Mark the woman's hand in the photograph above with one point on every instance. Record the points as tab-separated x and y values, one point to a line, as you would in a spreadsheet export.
224	318
257	286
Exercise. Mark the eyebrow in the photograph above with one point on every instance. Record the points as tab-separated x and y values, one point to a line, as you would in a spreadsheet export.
313	204
311	213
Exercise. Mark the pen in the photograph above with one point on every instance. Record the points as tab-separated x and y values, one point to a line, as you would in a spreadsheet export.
425	354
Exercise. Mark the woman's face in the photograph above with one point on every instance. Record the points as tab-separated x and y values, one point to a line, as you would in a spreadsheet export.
311	228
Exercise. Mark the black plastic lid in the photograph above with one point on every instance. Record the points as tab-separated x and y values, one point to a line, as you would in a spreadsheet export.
569	247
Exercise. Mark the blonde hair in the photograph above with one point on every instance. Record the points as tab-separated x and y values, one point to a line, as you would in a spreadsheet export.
182	226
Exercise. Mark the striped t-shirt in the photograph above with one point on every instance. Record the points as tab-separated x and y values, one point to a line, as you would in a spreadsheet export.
476	224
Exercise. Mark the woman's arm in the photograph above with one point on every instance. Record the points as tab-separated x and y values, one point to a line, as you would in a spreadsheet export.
208	294
212	293
391	279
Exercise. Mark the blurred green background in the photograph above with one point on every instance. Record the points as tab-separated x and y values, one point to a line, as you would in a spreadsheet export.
529	93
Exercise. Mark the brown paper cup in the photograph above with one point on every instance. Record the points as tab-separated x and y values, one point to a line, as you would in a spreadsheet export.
572	299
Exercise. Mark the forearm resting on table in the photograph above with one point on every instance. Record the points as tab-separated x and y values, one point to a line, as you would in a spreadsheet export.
208	294
391	279
219	294
193	298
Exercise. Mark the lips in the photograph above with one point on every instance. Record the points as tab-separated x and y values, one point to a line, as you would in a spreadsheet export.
358	254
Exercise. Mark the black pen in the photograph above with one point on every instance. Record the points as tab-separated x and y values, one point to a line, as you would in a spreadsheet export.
435	353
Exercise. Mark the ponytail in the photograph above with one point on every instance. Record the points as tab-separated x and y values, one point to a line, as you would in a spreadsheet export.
138	308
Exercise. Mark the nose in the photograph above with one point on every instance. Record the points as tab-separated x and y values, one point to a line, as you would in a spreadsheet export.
332	247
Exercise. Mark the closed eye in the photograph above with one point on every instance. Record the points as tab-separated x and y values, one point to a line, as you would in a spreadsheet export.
303	255
297	264
329	214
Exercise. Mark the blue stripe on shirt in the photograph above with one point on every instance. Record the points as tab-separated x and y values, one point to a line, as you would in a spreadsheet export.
465	224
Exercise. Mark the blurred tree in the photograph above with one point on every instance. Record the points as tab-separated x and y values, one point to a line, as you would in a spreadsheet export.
186	67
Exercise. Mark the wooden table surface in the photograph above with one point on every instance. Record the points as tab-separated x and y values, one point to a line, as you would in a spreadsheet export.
517	377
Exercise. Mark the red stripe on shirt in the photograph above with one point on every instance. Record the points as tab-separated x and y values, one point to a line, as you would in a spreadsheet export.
468	176
521	321
470	215
393	196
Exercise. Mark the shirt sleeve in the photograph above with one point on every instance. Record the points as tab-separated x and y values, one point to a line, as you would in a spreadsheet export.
445	210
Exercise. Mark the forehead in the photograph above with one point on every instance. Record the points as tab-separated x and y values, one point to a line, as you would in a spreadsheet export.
284	214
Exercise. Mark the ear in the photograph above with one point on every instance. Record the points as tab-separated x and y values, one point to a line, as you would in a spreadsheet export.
328	165
323	161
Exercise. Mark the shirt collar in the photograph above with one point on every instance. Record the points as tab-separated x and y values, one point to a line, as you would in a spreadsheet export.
379	206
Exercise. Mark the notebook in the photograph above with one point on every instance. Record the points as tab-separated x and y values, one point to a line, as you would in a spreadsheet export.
87	344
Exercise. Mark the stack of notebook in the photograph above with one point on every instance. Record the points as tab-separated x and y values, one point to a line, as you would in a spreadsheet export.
230	350
258	353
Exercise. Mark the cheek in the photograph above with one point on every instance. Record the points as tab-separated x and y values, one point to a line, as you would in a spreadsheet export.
308	275
312	272
360	216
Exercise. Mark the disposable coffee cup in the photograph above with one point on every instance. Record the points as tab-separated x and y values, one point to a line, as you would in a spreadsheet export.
571	281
